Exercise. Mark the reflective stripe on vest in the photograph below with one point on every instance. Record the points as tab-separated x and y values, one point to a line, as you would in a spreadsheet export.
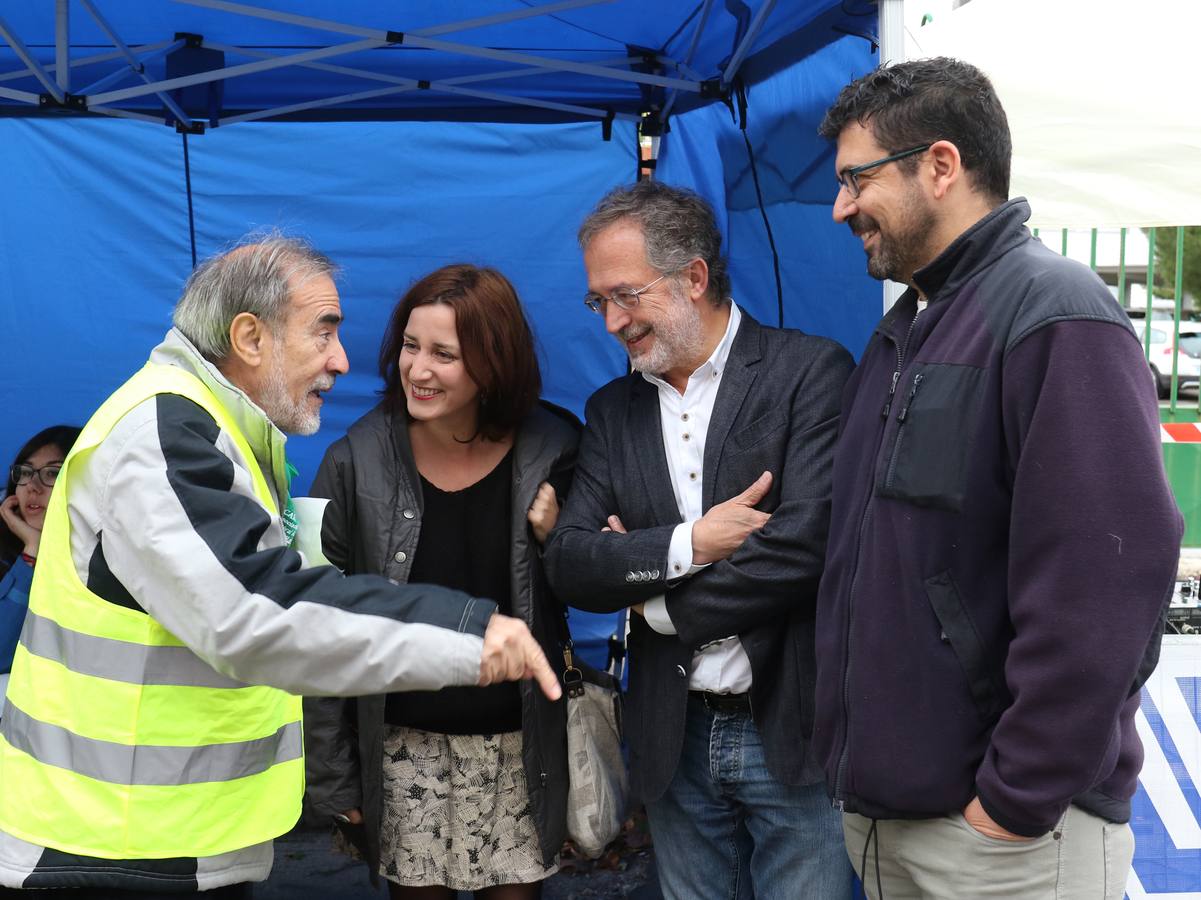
117	741
119	660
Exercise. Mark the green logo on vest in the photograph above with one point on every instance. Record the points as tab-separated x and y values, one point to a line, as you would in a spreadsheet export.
288	516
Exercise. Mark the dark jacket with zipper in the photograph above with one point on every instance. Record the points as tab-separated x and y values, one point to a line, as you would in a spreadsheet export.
372	524
1002	548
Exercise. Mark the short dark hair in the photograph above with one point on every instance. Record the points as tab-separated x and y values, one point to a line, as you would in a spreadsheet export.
678	226
908	104
62	437
494	337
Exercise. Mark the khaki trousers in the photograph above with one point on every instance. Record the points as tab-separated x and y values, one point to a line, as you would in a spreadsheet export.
1083	858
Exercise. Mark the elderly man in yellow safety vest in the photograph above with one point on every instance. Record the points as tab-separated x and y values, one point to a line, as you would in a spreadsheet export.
151	739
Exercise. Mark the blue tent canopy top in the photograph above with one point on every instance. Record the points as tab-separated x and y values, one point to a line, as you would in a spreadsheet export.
214	62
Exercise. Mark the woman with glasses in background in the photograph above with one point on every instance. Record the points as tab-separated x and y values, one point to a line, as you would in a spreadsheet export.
450	480
31	478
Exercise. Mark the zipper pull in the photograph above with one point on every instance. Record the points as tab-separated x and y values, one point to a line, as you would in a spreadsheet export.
917	380
891	391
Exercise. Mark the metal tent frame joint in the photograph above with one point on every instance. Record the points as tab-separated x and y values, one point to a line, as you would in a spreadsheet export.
76	102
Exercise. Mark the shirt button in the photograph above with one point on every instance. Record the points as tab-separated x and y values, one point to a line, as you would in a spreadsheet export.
677	567
692	476
680	671
684	418
686	436
400	556
408	514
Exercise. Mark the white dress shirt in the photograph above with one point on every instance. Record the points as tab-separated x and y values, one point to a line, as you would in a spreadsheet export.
721	666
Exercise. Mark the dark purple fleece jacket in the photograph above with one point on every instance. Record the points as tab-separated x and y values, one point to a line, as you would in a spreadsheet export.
1003	545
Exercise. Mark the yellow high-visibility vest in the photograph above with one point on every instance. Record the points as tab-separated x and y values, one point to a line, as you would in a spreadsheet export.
117	741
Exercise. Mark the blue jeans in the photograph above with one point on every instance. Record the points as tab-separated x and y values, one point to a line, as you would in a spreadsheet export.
726	828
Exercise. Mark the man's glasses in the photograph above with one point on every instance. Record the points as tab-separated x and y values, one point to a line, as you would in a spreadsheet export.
23	474
849	178
625	298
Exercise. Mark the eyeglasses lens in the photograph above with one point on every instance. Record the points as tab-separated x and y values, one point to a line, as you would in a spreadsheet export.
22	474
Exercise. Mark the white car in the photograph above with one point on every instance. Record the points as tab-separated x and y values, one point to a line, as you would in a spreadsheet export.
1188	362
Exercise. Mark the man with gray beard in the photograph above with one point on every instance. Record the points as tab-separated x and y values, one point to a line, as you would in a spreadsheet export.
701	501
151	739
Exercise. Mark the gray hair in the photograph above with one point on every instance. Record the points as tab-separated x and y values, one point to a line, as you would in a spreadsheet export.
255	276
678	226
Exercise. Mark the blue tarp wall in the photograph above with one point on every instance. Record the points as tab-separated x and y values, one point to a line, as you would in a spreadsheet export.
94	240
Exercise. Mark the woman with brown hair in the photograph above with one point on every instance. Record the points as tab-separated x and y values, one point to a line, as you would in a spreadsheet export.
451	479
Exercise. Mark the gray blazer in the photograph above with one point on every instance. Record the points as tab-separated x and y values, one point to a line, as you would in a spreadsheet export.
776	409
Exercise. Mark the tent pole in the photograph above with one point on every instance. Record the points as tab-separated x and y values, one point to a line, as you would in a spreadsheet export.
22	96
587	111
748	40
265	65
892	49
33	65
892	31
396	79
359	31
696	38
89	60
135	64
131	68
418	39
62	45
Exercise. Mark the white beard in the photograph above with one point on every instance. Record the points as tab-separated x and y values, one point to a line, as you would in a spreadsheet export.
289	416
679	337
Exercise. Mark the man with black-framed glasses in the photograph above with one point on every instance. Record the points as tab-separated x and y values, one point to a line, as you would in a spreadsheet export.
700	500
995	579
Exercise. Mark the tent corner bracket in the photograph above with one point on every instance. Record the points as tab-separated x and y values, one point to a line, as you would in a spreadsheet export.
76	102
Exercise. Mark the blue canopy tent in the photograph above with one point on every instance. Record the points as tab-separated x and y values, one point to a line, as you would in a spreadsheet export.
137	137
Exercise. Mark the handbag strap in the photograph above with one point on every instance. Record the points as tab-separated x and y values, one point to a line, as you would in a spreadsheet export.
573	678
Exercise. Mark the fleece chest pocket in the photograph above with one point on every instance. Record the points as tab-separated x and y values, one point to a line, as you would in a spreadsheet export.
937	413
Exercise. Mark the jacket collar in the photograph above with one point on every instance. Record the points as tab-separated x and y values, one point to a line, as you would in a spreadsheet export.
534	446
991	237
265	439
994	235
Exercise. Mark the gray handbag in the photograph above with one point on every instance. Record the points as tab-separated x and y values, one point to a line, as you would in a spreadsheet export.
598	789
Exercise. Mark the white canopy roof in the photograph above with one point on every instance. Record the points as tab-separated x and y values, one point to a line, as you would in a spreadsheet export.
1102	99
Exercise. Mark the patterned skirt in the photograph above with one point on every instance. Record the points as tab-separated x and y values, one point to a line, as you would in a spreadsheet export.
457	812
